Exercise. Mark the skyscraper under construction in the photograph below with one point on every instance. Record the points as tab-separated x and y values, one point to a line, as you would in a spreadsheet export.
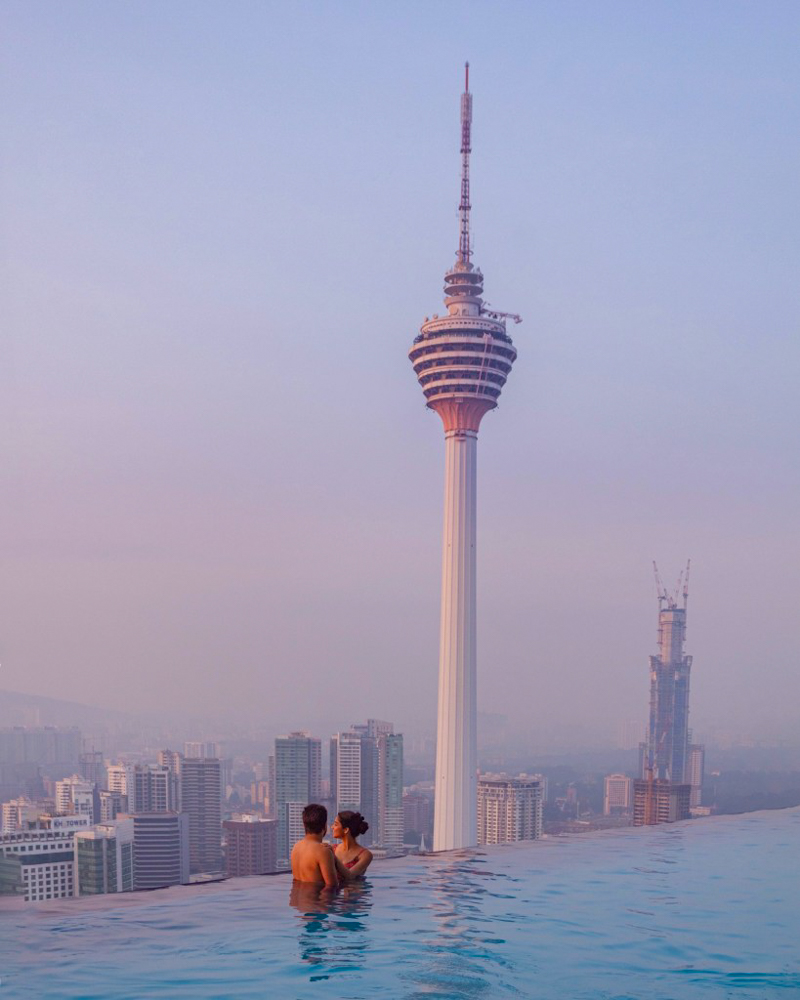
667	747
663	793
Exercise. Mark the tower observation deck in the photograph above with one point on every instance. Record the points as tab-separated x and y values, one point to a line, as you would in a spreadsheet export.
462	361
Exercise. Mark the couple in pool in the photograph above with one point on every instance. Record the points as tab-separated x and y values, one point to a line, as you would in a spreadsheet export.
330	865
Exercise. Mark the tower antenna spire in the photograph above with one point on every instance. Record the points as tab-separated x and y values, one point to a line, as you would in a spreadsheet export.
464	249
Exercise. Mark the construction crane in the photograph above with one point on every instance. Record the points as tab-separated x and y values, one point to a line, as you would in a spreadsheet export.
681	588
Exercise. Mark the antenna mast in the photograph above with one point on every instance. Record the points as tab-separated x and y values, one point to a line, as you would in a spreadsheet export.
464	249
686	585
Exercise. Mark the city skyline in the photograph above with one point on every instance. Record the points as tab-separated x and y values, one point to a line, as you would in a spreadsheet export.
171	364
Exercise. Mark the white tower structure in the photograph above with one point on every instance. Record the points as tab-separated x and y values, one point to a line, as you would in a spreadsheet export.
462	361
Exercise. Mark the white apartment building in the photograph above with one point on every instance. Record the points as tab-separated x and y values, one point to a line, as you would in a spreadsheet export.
118	778
346	771
75	795
509	809
17	813
41	861
695	771
617	794
367	777
293	818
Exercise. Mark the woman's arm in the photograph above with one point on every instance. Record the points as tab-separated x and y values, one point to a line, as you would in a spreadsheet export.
361	865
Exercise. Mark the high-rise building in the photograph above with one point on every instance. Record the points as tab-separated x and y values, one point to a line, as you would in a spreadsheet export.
298	766
696	770
617	795
271	783
662	794
202	749
51	747
200	801
251	845
104	858
119	778
38	862
657	801
509	809
75	795
17	813
667	744
112	804
391	827
160	850
153	788
462	361
367	777
346	752
171	759
259	796
92	767
295	830
418	815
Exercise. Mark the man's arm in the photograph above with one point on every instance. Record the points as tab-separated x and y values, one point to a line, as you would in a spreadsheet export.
327	868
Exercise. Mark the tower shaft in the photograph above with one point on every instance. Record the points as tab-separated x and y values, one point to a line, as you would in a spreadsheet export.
455	812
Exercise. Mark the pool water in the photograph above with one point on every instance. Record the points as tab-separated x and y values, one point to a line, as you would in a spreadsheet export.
704	909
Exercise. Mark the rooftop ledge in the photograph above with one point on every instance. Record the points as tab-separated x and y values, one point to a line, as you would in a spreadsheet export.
694	909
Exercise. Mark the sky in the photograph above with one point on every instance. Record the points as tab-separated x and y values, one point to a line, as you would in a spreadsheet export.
223	224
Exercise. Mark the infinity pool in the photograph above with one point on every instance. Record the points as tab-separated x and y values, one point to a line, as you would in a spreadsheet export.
703	909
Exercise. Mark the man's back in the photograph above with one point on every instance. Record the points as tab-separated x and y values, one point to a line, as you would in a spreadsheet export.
312	861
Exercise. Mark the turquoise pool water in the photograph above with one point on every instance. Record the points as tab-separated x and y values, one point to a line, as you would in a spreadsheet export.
704	909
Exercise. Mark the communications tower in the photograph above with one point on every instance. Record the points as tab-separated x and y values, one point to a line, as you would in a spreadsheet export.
462	361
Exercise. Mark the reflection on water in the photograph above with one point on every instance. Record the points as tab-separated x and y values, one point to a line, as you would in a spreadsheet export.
461	959
333	928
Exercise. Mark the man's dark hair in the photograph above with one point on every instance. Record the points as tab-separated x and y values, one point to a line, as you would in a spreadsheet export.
315	818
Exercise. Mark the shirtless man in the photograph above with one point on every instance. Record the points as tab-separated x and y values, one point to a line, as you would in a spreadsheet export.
313	861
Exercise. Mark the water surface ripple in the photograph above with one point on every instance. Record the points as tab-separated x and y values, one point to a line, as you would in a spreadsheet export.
704	909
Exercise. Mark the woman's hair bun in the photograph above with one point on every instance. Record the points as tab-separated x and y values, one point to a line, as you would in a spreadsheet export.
353	821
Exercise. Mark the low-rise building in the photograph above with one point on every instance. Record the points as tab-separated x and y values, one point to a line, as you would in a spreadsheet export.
38	862
617	795
658	801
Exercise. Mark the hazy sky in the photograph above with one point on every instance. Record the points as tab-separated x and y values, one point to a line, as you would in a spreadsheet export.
224	223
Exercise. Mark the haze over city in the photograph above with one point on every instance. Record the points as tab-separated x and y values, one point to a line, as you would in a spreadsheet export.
222	488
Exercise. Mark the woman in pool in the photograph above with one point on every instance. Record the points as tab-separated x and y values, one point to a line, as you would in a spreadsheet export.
352	859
